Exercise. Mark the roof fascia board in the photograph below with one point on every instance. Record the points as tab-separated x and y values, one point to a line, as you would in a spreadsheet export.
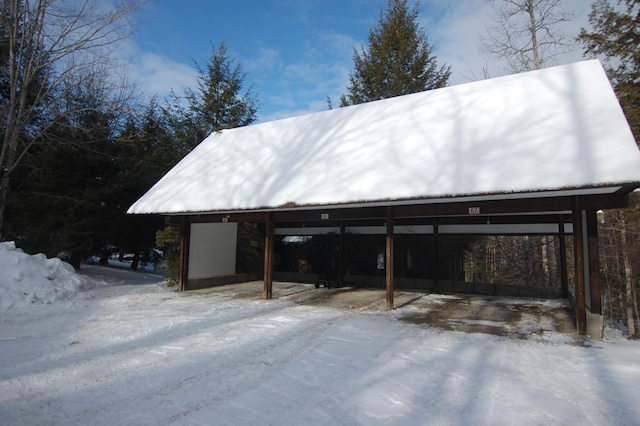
257	215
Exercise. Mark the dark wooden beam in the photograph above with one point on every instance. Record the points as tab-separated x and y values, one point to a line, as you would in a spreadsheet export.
436	255
625	189
252	217
578	255
330	223
268	259
595	286
448	207
442	220
389	259
495	220
524	205
341	254
183	268
330	214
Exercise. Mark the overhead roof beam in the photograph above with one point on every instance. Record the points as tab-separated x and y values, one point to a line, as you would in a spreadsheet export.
533	206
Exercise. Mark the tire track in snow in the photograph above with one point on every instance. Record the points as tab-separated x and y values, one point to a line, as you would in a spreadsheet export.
108	373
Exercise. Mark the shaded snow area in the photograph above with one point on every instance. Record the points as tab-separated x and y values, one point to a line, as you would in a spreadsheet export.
144	354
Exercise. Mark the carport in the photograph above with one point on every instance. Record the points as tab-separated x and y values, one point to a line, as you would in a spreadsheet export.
537	153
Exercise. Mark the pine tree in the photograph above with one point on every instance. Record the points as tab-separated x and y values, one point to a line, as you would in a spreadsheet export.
398	61
616	39
147	152
64	199
217	103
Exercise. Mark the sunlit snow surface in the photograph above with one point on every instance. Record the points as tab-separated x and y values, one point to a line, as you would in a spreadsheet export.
560	127
119	353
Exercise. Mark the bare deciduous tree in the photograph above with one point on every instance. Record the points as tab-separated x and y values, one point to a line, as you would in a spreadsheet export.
45	45
527	34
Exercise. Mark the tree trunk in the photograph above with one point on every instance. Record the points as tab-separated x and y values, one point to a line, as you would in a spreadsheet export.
628	280
104	257
4	191
136	260
76	258
534	36
544	257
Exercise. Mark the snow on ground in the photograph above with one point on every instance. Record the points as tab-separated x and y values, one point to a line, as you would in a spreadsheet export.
33	279
144	354
30	279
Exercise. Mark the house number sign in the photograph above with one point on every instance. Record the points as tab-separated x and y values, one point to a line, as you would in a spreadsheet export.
474	210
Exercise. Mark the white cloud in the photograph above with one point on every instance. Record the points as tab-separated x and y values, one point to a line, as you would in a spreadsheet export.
267	58
324	71
159	74
457	34
340	44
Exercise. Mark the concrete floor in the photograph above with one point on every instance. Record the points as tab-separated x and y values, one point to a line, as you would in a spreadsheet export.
500	316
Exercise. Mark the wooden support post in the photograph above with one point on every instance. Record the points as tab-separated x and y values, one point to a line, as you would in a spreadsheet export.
183	268
564	277
595	290
341	253
389	259
578	254
436	255
268	258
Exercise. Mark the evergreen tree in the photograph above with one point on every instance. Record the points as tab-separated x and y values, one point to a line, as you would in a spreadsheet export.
148	151
63	195
399	60
218	102
616	39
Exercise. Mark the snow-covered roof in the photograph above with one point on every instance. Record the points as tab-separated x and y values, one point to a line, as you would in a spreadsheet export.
554	129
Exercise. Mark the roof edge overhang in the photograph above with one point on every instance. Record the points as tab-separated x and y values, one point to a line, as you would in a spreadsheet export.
609	195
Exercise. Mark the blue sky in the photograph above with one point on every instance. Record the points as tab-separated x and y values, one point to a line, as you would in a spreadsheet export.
295	53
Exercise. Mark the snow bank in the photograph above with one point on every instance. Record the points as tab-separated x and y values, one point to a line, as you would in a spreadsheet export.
33	279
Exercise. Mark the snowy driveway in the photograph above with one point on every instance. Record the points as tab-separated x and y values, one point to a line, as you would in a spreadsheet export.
144	354
120	275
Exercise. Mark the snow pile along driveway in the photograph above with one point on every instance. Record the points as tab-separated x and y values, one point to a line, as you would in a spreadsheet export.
33	279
